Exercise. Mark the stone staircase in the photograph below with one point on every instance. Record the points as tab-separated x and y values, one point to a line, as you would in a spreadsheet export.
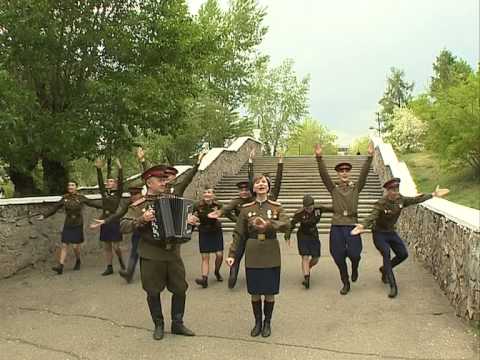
300	176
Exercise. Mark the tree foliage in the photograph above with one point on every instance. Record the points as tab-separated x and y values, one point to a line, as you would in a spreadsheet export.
408	131
279	100
398	93
307	134
359	145
448	71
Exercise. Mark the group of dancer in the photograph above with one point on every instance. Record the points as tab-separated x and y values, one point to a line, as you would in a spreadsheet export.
259	217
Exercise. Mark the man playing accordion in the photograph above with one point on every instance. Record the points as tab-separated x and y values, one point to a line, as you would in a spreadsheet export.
160	265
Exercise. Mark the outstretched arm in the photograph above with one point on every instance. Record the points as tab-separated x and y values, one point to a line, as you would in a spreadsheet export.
180	188
101	184
119	180
57	206
250	170
291	227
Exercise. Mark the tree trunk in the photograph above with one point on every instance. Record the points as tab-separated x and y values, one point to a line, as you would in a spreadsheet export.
24	184
55	177
109	167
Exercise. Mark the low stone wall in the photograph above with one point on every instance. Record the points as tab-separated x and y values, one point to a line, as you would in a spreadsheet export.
443	235
24	240
450	251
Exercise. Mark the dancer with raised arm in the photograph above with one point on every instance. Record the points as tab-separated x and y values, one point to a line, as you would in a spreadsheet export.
345	194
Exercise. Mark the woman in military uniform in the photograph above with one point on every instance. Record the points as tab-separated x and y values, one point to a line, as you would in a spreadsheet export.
72	233
110	234
210	235
257	227
382	221
308	240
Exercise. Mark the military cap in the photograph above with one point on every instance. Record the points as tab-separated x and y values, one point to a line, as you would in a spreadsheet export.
343	165
308	200
392	183
159	171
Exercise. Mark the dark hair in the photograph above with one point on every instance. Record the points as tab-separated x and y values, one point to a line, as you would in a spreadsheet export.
72	181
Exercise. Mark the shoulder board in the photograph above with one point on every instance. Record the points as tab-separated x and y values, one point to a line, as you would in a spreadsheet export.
138	202
248	204
274	202
299	211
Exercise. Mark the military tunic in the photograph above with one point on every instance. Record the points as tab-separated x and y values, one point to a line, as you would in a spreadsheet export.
382	221
308	240
110	231
160	267
210	230
73	204
345	216
262	250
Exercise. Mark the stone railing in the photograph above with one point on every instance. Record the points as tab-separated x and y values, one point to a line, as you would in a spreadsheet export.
443	234
25	241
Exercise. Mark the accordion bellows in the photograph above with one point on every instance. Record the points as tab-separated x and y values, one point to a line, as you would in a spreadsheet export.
171	223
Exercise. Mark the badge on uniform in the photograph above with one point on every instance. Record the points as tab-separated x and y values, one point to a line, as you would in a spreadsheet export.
345	213
261	237
317	212
249	214
269	213
400	206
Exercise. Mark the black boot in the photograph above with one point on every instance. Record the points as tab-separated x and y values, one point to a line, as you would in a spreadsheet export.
58	269
121	262
257	313
267	311
178	309
393	286
232	279
77	265
202	281
346	287
384	276
108	270
218	276
128	274
306	282
354	271
155	307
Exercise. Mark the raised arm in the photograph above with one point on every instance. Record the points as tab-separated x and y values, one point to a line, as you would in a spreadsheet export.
119	180
278	179
322	169
101	184
119	213
362	179
90	202
180	188
250	170
229	210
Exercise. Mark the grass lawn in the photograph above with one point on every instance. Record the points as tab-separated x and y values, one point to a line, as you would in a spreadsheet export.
427	173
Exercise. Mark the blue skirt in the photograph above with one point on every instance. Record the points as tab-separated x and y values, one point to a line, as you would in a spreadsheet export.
263	281
210	241
110	232
308	247
72	234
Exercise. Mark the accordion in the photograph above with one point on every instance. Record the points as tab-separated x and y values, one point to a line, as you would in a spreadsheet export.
170	224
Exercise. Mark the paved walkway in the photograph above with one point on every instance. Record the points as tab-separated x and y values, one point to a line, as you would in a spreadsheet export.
82	315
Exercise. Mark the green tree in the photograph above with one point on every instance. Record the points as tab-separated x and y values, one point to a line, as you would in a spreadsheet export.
233	35
407	134
279	100
398	93
454	128
448	71
359	145
307	134
93	70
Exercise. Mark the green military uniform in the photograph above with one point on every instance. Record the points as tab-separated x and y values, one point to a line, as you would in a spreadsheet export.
73	204
345	216
262	250
110	198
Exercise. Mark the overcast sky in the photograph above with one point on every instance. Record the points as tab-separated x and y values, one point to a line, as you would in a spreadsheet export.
348	47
